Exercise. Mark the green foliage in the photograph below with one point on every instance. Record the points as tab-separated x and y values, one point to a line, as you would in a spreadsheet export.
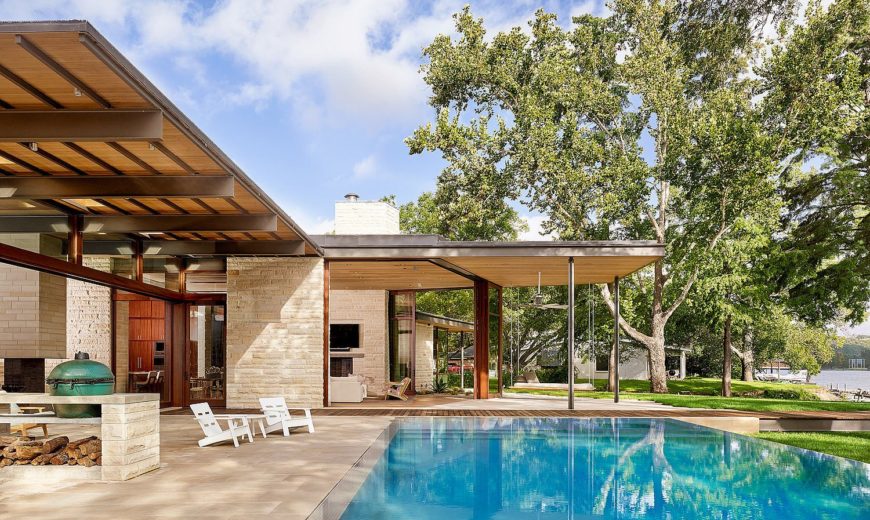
853	348
439	385
554	118
802	346
757	180
722	403
817	96
459	218
711	387
557	374
852	445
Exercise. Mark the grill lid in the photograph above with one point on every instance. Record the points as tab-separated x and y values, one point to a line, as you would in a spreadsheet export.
80	371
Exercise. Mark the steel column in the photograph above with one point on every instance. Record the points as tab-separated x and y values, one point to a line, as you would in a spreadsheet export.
616	339
570	332
481	339
75	239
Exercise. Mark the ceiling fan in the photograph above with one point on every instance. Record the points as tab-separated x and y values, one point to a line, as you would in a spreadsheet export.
538	299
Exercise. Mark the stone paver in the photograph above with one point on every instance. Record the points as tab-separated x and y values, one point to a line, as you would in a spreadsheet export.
278	477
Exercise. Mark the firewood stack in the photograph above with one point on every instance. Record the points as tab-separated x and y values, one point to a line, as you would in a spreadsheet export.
57	451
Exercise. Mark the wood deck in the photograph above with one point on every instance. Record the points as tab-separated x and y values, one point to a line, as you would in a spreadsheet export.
674	413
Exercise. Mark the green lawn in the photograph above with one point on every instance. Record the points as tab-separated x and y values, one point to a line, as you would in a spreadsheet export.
852	445
773	397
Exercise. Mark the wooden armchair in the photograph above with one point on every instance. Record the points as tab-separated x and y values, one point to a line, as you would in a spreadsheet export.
397	390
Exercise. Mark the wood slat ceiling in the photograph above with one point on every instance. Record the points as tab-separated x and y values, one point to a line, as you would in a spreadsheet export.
506	271
513	271
392	276
121	158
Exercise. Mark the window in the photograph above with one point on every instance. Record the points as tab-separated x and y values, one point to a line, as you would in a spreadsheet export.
602	362
343	337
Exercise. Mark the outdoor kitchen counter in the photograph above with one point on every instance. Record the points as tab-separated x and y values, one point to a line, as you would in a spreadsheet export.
129	428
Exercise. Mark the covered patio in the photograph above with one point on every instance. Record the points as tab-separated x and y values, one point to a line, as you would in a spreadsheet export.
411	263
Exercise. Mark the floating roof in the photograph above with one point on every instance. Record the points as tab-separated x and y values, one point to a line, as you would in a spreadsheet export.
444	322
421	262
74	112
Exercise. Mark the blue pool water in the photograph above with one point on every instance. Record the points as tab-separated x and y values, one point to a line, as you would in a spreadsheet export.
498	468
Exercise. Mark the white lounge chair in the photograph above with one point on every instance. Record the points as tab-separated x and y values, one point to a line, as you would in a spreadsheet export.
212	430
278	416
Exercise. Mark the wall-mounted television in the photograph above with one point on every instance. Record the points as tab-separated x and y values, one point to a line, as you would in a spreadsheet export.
343	336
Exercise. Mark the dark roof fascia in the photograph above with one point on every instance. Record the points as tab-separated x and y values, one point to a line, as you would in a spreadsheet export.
437	319
379	247
152	94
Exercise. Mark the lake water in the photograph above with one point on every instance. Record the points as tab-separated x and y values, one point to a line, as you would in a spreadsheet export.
851	378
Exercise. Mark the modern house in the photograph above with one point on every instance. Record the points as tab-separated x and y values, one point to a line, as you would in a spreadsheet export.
126	233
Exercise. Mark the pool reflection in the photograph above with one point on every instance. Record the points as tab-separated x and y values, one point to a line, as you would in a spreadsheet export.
625	468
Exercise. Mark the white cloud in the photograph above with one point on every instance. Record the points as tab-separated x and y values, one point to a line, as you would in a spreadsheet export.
311	224
330	60
365	168
535	232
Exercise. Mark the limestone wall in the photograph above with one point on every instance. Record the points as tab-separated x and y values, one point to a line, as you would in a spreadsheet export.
32	304
369	310
425	361
274	331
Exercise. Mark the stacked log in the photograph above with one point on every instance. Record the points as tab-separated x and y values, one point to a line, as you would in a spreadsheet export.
56	451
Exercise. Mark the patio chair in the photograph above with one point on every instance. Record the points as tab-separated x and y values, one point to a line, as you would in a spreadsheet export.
278	416
397	390
149	380
212	430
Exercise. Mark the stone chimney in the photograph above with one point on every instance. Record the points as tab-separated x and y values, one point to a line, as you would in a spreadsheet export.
365	217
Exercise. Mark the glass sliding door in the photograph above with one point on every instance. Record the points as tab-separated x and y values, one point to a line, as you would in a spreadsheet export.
402	336
206	354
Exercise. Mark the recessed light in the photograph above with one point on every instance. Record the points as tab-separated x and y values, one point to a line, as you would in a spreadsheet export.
77	92
34	147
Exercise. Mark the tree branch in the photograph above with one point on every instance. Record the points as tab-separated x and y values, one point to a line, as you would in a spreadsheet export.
638	336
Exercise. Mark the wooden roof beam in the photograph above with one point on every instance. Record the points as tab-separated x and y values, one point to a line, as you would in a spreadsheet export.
142	224
92	187
58	69
80	125
27	87
198	247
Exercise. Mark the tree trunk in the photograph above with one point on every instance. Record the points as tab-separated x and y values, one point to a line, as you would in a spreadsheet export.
726	359
658	376
611	373
748	358
654	343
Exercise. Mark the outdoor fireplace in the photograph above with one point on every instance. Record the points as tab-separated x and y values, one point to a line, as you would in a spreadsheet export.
24	375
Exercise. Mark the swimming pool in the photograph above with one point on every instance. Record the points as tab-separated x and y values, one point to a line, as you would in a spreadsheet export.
454	468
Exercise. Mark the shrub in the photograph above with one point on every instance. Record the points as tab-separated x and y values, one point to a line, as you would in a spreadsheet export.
553	374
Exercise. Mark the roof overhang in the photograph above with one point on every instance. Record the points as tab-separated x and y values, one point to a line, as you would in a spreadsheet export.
508	264
443	322
73	108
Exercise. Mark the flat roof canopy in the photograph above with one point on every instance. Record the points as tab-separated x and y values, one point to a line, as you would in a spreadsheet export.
420	262
82	132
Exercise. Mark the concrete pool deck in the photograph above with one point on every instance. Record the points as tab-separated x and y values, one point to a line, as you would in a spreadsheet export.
278	477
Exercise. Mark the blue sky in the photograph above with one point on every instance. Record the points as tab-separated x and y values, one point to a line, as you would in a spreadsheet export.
311	98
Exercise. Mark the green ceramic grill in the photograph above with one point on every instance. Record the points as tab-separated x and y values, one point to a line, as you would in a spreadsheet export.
80	376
